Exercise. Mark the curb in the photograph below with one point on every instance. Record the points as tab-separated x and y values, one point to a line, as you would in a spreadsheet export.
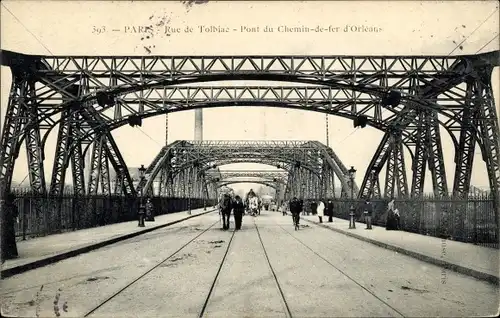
429	259
85	249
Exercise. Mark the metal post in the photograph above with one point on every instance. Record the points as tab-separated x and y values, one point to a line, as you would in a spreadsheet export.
352	222
189	200
142	211
327	133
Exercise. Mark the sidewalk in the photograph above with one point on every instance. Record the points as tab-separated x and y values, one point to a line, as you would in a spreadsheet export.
46	250
476	261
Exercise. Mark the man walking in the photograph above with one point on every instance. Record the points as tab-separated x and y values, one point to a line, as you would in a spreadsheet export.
225	208
368	214
329	210
320	210
295	209
238	211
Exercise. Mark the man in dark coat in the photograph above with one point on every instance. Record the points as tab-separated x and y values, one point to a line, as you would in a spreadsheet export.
329	210
314	208
225	209
238	211
368	214
295	208
9	247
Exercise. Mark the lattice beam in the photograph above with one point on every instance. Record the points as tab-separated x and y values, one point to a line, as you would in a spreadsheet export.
34	150
435	155
395	181
420	159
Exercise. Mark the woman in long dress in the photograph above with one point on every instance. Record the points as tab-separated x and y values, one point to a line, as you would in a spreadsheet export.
254	205
390	224
321	211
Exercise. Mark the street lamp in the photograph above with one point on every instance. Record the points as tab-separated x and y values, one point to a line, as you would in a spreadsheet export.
352	174
142	211
189	199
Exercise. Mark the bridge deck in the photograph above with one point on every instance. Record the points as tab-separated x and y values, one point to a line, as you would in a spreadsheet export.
38	250
267	269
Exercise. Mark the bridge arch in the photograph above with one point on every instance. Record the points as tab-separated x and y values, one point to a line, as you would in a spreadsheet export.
340	72
266	183
311	156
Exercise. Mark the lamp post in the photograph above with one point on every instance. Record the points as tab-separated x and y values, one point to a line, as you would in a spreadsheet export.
142	209
352	174
189	199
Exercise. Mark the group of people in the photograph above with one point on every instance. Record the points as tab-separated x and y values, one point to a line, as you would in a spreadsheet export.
296	206
227	204
393	216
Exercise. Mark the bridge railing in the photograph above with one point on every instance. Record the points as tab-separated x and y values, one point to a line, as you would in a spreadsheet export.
470	220
74	213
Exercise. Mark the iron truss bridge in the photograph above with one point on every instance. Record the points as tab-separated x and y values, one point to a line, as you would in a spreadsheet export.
409	98
276	179
307	168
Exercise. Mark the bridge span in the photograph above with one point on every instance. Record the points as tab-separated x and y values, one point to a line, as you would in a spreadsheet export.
116	255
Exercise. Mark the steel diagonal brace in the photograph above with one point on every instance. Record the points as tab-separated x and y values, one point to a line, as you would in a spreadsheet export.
105	182
420	159
33	143
22	111
61	156
461	69
112	151
435	151
161	161
77	160
95	166
338	167
13	125
489	132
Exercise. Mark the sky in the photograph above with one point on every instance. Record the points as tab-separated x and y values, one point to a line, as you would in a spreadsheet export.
407	28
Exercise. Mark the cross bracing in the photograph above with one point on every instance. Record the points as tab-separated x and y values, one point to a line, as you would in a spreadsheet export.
309	161
89	96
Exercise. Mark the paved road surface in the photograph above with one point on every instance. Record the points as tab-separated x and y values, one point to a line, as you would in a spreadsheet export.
265	270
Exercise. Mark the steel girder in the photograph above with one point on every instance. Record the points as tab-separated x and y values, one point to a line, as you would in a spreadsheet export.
21	111
257	177
371	76
225	183
263	174
332	165
121	75
425	137
80	117
428	144
425	77
182	155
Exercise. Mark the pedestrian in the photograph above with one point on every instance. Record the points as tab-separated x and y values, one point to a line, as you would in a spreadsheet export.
150	216
9	247
390	223
368	214
304	206
295	209
225	209
314	208
398	218
238	211
320	210
329	210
